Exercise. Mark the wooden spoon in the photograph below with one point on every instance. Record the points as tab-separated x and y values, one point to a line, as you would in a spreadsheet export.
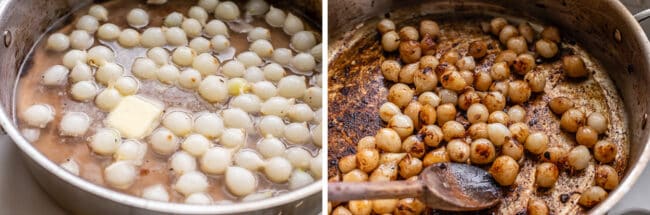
445	186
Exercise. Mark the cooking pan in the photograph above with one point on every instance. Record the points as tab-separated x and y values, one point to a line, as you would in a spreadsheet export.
604	28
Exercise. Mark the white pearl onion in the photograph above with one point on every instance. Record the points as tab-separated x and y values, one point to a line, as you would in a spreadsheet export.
120	174
303	62
189	78
38	115
292	86
108	99
105	141
74	124
303	41
237	118
80	39
108	73
173	19
264	90
272	126
209	125
158	55
163	141
183	56
168	74
254	74
313	97
299	179
108	32
156	192
100	55
227	10
249	59
192	27
240	181
131	150
275	17
198	13
301	113
55	76
200	45
71	166
273	72
198	199
214	89
233	138
129	38
73	57
257	7
317	52
270	147
220	43
249	159
318	115
127	85
175	36
182	162
31	134
298	157
316	166
137	18
144	68
278	169
191	182
278	106
259	33
208	5
216	27
58	42
196	145
216	160
153	37
292	24
247	102
178	122
233	69
317	134
87	23
262	48
83	91
206	64
297	133
99	12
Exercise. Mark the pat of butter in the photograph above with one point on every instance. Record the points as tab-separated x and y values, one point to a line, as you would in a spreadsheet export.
135	117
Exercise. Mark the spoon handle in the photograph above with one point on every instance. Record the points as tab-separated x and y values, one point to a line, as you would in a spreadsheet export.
345	191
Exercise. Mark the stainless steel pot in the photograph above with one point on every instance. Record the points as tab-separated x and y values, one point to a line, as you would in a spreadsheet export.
604	28
22	23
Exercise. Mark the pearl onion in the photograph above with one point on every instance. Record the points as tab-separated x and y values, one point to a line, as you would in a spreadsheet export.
249	159
208	5
264	90
598	122
240	181
262	48
259	33
303	41
206	64
163	141
249	59
189	78
216	160
73	57
275	17
55	76
317	52
270	147
108	99
155	192
237	118
127	85
38	115
74	124
227	10
273	72
87	23
198	199
200	45
209	125
318	115
316	165
58	42
131	150
258	196
233	68
297	133
100	55
168	74
292	24
247	102
498	133
83	91
120	174
182	162
292	86
282	56
313	97
198	13
216	27
233	138
317	134
99	12
278	106
137	18
108	32
129	38
254	74
153	37
105	141
144	68
191	182
299	179
108	73
298	157
220	43
183	56
196	145
71	166
272	126
237	86
173	19
214	89
300	113
257	7
278	169
178	122
158	55
80	39
303	62
192	27
175	36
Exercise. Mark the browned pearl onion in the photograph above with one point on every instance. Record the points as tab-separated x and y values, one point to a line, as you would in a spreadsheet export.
412	110
536	81
572	119
546	175
359	207
428	45
478	130
390	41
425	80
407	73
428	61
586	136
428	115
444	67
477	49
446	112
579	157
348	163
500	71
453	130
384	172
507	32
409	206
551	33
504	169
519	131
497	24
428	27
401	124
494	101
410	51
536	143
466	63
409	33
559	105
458	151
598	122
513	149
606	177
501	86
527	31
519	92
341	210
409	166
438	155
482	151
448	96
574	66
452	80
482	81
498	117
450	57
524	64
391	69
414	146
468	76
507	56
388	140
400	94
477	113
605	151
432	135
385	25
467	99
517	44
367	142
592	196
367	159
546	48
517	113
537	207
355	176
556	155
